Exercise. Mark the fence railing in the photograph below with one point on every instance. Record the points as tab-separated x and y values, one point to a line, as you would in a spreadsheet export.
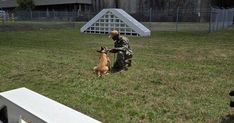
179	19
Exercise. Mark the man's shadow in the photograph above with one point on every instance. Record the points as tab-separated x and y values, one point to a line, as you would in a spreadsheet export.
228	119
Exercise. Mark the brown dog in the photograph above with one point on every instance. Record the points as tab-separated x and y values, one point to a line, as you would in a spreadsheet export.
102	67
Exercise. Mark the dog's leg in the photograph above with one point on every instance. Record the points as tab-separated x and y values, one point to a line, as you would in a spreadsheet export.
106	70
98	73
94	69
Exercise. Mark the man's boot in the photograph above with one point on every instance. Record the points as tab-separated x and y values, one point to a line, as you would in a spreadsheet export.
118	66
232	103
129	62
231	93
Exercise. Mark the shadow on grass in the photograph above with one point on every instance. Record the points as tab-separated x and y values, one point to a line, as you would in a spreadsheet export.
227	119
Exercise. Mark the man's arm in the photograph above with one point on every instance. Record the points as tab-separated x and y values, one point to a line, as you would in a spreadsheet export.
123	48
114	50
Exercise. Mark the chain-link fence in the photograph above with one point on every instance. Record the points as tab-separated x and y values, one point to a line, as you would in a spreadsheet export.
52	15
221	19
179	19
3	16
209	20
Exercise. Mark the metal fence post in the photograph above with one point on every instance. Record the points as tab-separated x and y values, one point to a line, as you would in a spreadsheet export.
217	19
210	24
177	18
223	12
31	14
150	17
232	17
53	14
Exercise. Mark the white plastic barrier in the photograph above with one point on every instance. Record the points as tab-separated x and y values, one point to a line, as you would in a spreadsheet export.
25	106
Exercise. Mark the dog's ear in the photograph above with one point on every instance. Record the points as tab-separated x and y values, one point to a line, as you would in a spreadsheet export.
102	48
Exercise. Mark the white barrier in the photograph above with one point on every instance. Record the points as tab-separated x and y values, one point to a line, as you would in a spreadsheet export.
25	106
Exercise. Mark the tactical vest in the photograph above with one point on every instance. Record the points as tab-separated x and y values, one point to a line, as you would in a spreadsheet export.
123	43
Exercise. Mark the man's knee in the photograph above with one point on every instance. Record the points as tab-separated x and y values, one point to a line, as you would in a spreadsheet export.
120	54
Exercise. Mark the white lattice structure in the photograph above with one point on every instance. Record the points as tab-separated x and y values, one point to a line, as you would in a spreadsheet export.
115	19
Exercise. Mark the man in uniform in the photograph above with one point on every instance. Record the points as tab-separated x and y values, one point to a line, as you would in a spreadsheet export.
123	50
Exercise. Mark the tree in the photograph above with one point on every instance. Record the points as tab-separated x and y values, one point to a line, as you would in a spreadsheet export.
182	3
25	4
116	3
158	4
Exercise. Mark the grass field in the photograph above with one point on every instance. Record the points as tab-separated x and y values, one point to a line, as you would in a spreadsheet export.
175	77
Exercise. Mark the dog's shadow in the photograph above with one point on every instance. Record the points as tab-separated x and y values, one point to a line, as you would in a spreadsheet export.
228	119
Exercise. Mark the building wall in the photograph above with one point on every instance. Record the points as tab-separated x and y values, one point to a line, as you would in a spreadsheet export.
130	6
62	5
137	6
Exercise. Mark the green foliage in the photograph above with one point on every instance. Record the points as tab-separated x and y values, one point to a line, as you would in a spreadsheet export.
179	77
25	4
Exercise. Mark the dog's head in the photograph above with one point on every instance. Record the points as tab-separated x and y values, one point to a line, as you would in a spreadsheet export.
103	50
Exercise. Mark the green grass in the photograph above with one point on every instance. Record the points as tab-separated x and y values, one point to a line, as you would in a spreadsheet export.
175	77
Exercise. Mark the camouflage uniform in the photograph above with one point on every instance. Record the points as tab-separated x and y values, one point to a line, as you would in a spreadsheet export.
124	53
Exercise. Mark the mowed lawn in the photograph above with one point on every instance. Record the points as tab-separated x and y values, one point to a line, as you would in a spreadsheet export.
175	77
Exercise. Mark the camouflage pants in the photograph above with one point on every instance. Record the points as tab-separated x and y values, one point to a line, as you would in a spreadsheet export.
121	60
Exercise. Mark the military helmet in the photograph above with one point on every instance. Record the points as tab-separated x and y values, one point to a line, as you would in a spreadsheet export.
113	33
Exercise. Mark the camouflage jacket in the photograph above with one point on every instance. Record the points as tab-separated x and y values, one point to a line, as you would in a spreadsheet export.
123	45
